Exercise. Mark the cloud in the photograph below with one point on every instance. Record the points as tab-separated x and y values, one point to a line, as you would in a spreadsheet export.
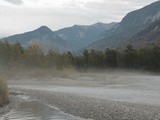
15	2
57	14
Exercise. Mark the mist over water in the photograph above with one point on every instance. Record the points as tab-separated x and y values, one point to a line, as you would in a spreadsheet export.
102	71
44	93
127	87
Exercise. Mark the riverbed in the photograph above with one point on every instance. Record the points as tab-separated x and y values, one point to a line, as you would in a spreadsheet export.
88	96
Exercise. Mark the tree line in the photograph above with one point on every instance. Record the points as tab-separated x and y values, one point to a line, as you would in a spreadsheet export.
14	55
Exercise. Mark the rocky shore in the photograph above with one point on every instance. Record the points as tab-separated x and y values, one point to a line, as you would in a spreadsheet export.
96	109
114	97
14	100
85	107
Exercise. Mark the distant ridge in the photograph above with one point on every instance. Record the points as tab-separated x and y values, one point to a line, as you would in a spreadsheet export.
131	24
79	36
83	35
42	36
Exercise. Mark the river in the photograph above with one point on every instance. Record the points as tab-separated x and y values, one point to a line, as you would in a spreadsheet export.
99	97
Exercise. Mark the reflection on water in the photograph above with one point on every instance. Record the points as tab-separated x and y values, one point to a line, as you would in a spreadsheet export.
37	111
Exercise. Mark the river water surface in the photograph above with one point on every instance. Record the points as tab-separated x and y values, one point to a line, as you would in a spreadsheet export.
134	89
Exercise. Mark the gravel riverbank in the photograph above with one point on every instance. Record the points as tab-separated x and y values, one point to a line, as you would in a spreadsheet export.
6	108
97	109
14	101
97	97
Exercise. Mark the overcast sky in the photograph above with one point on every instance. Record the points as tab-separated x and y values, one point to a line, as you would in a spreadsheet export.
18	16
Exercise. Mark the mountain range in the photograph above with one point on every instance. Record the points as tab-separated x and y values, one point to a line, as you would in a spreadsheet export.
43	37
67	39
130	25
83	35
140	28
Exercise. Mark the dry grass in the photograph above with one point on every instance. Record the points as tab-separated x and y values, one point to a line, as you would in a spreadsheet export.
3	92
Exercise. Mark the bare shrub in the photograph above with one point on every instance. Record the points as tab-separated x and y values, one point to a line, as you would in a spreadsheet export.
3	92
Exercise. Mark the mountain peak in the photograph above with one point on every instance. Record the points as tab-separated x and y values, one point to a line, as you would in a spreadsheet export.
77	26
98	23
142	17
103	25
44	29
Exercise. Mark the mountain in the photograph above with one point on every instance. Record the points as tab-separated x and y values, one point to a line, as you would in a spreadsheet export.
42	36
131	24
147	37
81	35
135	25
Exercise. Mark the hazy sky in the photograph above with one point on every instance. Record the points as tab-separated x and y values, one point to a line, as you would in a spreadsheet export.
18	16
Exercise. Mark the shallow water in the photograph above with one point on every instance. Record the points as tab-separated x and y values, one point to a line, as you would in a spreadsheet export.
34	110
134	89
143	89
